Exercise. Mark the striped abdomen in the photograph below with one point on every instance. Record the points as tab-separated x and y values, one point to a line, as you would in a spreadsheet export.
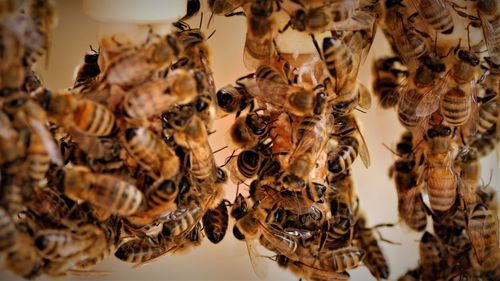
115	195
93	118
441	187
430	256
412	210
8	232
139	251
455	107
488	115
342	259
215	222
437	15
483	233
342	158
38	157
374	258
338	58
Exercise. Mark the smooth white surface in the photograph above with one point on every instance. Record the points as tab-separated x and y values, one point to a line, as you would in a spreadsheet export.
228	260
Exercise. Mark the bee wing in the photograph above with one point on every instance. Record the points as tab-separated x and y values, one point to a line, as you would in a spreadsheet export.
267	91
259	266
363	148
360	20
321	274
262	45
430	101
314	139
472	123
48	141
365	98
491	38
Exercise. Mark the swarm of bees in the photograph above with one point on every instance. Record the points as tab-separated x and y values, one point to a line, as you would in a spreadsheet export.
295	136
446	93
120	163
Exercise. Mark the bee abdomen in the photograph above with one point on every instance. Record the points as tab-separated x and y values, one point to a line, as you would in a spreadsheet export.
7	232
455	107
38	158
343	157
441	188
93	118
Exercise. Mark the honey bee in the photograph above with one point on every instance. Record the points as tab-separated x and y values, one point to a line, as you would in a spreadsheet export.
181	221
105	191
311	136
62	244
11	142
430	256
441	180
87	72
45	19
468	167
341	259
159	198
155	97
488	113
8	233
132	66
151	152
140	250
234	99
350	143
387	78
25	261
300	202
111	229
250	163
83	115
411	206
298	99
247	130
407	41
488	14
374	258
49	204
309	272
339	60
215	222
483	233
261	28
193	136
486	142
436	14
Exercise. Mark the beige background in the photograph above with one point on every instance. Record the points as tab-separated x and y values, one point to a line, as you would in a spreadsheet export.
229	260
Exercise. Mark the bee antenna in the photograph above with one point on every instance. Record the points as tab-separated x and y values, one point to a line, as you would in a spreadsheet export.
228	159
360	110
390	149
209	36
220	149
210	20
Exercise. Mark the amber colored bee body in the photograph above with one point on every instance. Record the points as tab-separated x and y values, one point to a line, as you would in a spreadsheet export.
105	191
215	222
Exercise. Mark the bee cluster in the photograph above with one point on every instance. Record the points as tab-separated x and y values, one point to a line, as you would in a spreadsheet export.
296	136
445	90
118	164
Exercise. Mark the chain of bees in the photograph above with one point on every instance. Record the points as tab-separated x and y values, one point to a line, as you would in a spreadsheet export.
120	163
446	93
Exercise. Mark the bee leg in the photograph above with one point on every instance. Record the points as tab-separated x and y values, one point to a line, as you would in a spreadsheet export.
316	45
241	13
287	25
